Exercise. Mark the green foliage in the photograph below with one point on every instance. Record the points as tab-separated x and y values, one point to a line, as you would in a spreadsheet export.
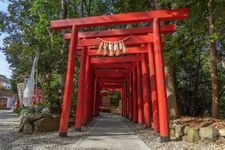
188	51
115	98
4	79
27	110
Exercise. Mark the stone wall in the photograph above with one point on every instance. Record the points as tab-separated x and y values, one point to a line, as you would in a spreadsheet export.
193	134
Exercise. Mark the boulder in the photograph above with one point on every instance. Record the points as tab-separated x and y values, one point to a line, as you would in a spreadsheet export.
32	117
186	130
193	135
27	128
47	115
222	132
179	131
23	121
209	133
184	138
172	132
46	124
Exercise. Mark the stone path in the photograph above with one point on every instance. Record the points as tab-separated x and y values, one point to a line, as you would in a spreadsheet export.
110	133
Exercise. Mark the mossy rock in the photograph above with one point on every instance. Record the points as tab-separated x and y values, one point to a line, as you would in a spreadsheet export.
186	130
209	133
47	115
27	128
46	125
193	135
179	131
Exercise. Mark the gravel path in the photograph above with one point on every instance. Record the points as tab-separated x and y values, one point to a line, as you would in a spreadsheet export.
10	138
152	140
110	133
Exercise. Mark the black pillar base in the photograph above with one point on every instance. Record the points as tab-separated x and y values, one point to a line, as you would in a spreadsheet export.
77	129
63	134
164	139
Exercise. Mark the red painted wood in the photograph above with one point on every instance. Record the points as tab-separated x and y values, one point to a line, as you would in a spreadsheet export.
78	118
134	98
139	94
130	98
89	102
97	100
146	96
113	65
111	80
67	98
125	100
112	86
121	32
108	84
91	95
86	90
133	41
134	17
122	103
95	97
123	76
160	80
111	75
115	59
113	71
155	111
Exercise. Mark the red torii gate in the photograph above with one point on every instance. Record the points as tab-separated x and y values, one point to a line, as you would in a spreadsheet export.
156	56
116	80
146	96
134	117
132	107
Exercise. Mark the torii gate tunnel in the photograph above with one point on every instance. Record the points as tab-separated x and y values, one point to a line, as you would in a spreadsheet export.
128	73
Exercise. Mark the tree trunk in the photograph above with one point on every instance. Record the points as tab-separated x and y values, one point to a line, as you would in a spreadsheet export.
170	84
171	92
214	76
63	15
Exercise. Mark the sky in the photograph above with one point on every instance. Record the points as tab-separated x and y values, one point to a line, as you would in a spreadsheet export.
4	66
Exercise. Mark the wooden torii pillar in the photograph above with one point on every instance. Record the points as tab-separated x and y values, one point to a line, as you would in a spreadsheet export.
155	16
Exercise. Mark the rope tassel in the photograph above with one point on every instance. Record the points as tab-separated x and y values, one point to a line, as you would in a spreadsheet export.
100	48
112	48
